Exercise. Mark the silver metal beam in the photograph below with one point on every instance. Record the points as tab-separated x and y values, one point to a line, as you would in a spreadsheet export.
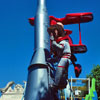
37	83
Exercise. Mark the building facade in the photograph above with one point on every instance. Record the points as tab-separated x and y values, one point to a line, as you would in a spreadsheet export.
13	91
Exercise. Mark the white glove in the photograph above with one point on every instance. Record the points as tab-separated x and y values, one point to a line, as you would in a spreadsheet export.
52	38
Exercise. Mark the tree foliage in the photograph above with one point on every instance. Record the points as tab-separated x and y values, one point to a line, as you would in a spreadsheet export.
95	73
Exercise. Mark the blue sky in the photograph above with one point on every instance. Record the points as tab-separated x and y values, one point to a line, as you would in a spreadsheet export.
17	35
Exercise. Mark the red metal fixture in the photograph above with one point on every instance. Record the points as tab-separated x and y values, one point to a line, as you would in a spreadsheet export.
72	18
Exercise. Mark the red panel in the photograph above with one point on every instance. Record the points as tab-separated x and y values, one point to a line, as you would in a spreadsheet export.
72	18
79	17
53	22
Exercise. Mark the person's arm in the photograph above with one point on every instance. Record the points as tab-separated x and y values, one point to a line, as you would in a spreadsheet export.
54	44
57	46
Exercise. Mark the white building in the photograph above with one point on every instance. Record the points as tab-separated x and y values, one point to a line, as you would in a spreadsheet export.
12	93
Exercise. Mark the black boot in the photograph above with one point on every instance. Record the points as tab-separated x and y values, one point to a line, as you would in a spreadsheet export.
78	70
54	91
60	79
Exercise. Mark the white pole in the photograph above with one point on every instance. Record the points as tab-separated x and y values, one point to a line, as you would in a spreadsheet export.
71	87
89	85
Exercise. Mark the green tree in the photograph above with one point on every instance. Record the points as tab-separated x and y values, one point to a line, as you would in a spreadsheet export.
95	73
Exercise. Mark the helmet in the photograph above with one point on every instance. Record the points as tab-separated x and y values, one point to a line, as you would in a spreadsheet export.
59	28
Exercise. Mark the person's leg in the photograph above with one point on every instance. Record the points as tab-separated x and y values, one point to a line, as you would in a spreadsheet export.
60	79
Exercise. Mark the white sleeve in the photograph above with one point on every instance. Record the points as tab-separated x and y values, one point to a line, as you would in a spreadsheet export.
58	46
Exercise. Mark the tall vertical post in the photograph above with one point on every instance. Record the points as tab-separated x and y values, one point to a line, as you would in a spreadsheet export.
37	83
80	40
89	85
71	88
